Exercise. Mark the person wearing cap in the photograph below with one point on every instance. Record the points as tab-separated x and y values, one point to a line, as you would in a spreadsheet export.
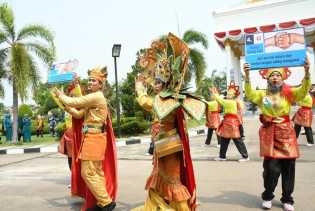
98	149
229	127
303	118
212	120
278	143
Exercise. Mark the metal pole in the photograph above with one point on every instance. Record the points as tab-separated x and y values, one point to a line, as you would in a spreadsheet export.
117	99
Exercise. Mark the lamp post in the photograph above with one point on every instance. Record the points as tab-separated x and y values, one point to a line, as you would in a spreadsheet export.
115	54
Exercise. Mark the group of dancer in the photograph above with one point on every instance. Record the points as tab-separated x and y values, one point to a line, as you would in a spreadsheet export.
171	184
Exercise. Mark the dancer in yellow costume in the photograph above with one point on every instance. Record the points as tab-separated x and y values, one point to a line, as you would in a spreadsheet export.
303	118
99	178
212	119
171	185
278	144
230	125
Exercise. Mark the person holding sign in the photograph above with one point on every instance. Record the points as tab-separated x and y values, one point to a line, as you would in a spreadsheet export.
278	144
98	150
230	125
303	118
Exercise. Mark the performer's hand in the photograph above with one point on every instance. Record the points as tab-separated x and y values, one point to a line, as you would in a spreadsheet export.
307	66
56	91
213	90
246	69
139	81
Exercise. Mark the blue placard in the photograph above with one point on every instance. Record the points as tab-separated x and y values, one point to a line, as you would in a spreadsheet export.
62	72
284	48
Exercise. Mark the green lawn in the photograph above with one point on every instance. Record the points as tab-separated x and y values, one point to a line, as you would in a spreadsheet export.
47	139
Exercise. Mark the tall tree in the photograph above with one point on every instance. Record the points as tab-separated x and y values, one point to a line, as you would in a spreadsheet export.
127	88
217	79
43	98
18	50
197	63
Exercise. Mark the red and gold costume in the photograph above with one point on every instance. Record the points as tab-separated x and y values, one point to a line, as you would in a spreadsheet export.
65	145
304	115
277	135
171	185
212	114
303	118
278	144
97	152
230	125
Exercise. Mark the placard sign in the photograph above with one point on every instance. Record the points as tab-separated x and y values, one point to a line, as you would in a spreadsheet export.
62	72
284	48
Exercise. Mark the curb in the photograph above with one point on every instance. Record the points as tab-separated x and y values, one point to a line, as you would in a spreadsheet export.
54	147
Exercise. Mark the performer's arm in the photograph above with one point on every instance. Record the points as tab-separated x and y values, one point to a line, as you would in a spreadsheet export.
300	92
145	101
252	95
220	100
76	113
81	102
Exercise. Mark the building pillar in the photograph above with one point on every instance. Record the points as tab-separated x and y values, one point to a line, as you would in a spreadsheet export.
229	62
233	67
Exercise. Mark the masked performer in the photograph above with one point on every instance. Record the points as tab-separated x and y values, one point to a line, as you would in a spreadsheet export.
230	125
278	144
171	185
98	150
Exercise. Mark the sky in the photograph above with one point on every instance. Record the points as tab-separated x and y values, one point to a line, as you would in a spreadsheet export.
87	30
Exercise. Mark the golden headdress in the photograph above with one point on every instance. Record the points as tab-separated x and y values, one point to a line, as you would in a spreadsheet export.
99	73
233	89
166	60
284	71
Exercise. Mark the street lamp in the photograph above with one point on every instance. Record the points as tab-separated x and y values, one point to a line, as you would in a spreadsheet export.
115	54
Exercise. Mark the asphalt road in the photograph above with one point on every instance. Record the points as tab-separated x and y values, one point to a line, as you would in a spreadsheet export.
36	182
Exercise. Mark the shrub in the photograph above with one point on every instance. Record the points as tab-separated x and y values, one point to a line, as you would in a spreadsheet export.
60	129
25	109
131	126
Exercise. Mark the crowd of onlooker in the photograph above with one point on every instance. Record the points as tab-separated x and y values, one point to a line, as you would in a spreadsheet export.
26	127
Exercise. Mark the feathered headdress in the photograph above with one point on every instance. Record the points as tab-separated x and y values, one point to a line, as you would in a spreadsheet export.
233	89
166	60
284	71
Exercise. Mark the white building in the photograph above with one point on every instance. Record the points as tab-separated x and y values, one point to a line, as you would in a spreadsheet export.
262	16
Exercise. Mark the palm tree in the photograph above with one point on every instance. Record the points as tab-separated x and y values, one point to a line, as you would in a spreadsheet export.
197	64
18	50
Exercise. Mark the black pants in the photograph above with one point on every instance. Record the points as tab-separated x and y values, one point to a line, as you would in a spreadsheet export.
238	143
308	133
209	136
70	163
151	148
272	170
241	128
39	132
